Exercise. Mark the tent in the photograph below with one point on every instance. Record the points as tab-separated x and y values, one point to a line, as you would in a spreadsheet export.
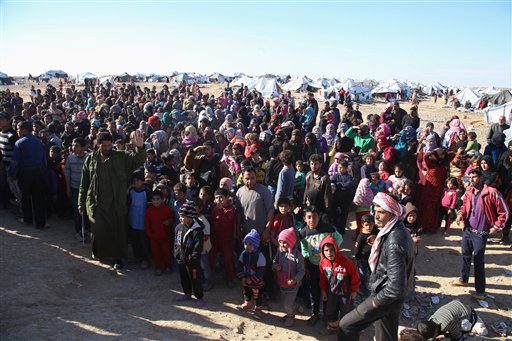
359	93
500	97
154	78
431	89
218	78
489	91
87	76
468	94
55	74
392	87
266	86
297	84
492	114
5	79
124	77
107	79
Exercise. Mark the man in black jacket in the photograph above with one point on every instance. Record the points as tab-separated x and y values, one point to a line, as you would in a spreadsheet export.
392	265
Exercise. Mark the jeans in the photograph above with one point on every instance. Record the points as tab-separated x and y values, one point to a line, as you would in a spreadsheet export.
385	319
473	245
207	269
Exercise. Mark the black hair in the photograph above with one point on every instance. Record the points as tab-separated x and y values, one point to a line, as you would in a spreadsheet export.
180	186
208	190
311	209
209	143
284	201
315	158
273	151
428	329
25	125
477	172
367	218
157	193
137	175
103	136
343	163
80	141
221	191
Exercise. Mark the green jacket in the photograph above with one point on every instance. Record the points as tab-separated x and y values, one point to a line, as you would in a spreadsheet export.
365	142
122	166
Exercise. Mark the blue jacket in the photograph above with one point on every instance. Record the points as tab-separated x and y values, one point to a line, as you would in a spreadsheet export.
29	153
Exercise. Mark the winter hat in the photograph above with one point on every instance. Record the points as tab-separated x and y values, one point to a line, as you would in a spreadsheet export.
188	209
288	235
252	238
339	156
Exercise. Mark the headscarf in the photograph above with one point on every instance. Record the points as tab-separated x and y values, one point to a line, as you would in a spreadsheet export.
455	126
390	205
430	147
154	121
230	133
161	141
383	131
410	133
330	134
208	134
228	182
364	194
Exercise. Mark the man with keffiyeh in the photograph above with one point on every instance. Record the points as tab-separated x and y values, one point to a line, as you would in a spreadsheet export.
392	265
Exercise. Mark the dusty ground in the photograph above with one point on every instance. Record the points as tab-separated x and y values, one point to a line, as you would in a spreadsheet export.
50	290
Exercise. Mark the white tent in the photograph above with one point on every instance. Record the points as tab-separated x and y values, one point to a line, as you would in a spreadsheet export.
297	84
80	78
431	89
492	114
107	79
267	86
490	91
468	94
359	94
393	87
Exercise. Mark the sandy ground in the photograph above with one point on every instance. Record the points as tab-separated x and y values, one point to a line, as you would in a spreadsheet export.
50	290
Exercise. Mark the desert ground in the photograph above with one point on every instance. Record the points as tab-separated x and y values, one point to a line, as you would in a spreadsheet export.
51	290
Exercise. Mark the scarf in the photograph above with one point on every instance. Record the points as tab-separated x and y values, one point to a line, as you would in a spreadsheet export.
390	205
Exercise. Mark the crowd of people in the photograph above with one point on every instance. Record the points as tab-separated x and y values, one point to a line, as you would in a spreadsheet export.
260	188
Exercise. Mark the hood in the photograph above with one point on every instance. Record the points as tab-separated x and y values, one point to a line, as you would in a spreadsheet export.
316	198
488	160
410	208
329	240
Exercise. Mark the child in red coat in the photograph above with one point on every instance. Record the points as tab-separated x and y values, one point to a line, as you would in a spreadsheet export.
158	219
339	281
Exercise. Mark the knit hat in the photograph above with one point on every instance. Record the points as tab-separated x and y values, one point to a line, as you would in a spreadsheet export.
252	238
339	156
188	209
288	235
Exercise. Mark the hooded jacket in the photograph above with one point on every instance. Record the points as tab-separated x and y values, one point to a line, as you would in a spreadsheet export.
188	243
311	239
414	228
292	266
339	276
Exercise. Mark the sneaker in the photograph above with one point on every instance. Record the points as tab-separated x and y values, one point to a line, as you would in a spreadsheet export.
258	313
199	303
459	283
289	321
182	298
246	306
117	266
313	319
479	296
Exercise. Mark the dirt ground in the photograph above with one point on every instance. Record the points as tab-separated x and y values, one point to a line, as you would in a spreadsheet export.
51	290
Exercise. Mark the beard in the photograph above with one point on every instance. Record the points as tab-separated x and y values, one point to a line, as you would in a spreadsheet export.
106	153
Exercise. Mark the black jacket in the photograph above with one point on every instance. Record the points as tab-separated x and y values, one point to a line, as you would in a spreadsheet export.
188	243
393	277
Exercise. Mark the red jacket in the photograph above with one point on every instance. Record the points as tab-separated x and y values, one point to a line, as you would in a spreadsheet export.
154	222
495	210
341	274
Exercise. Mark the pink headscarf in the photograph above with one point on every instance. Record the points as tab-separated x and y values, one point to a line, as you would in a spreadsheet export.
390	205
383	131
228	182
364	195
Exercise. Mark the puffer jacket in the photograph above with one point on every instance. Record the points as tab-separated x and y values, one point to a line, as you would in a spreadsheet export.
393	277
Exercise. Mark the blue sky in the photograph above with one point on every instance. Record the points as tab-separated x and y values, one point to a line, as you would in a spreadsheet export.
453	42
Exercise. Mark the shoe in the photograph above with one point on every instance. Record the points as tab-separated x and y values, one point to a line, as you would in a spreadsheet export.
117	266
289	321
144	265
182	298
459	283
479	296
158	272
258	313
246	306
313	319
199	303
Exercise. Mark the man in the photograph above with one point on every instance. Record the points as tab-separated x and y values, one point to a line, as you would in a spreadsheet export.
392	265
483	213
497	128
73	175
28	165
206	165
361	137
103	191
398	115
257	211
454	320
8	138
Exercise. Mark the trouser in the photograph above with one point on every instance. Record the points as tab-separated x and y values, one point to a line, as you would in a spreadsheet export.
32	195
190	277
224	246
314	286
336	306
161	253
252	294
341	218
473	246
79	219
288	297
140	244
5	193
269	250
384	318
207	269
447	218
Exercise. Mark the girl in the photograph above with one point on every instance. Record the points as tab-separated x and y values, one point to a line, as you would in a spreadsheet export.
448	203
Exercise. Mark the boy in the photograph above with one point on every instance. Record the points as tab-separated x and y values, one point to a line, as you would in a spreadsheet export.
224	231
205	263
251	269
138	199
362	250
300	180
343	194
188	247
191	184
158	219
288	264
282	220
317	179
180	191
339	281
312	234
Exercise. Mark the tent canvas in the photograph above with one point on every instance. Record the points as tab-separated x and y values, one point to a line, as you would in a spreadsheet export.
297	84
107	79
490	91
468	94
492	114
500	98
56	74
267	86
80	78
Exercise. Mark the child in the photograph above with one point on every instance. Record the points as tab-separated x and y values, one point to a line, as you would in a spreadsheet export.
405	192
343	195
448	203
376	183
397	179
206	196
224	231
472	147
412	224
384	170
180	191
158	219
251	269
312	235
300	180
188	247
362	250
282	220
339	281
368	167
192	189
363	200
207	246
474	162
317	179
333	169
138	198
288	264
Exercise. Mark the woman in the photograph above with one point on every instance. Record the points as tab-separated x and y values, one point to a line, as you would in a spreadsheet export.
490	175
